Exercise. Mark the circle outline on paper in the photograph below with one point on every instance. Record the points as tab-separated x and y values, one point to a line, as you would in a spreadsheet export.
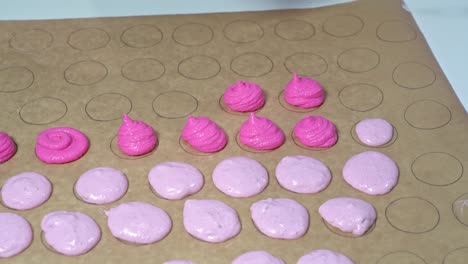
200	56
248	54
40	98
415	34
142	59
358	48
357	110
275	30
51	40
141	47
417	63
428	128
105	120
244	20
108	38
289	58
401	251
192	24
453	251
84	84
19	67
172	117
438	152
347	35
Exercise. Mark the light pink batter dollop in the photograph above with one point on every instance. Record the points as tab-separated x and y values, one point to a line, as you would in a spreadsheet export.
204	135
7	147
374	131
70	233
280	218
260	133
371	172
175	180
302	174
324	256
303	92
257	257
101	185
26	190
244	97
240	177
135	137
15	234
316	132
61	145
210	220
138	222
350	215
179	262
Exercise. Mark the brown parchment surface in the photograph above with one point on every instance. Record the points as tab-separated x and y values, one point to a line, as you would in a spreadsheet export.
369	55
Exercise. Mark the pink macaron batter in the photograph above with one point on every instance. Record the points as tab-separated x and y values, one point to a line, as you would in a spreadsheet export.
316	132
26	190
257	257
244	97
135	137
374	132
179	262
324	256
101	185
7	147
261	133
204	135
61	145
15	234
303	92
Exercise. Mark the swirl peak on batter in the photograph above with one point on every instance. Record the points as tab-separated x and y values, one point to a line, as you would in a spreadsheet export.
244	97
135	137
203	134
261	133
59	145
7	147
316	132
304	92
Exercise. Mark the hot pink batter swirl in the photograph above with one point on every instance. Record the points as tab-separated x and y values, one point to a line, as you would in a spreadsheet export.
136	137
7	147
61	145
261	133
303	92
244	97
204	135
316	132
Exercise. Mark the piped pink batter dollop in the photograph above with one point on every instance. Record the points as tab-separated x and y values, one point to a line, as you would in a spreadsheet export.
371	172
138	222
374	131
257	257
324	256
350	215
210	220
316	132
61	145
302	174
70	233
280	218
101	185
260	133
15	234
26	190
7	147
244	97
135	137
304	92
204	135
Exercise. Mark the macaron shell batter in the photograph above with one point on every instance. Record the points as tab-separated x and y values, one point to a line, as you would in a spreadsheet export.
26	190
179	262
204	135
371	172
303	92
374	131
302	174
61	145
15	234
260	133
175	180
135	137
324	256
210	220
7	147
240	177
257	257
244	97
316	132
280	218
101	185
138	222
70	233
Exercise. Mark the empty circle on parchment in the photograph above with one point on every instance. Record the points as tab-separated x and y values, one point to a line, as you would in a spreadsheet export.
343	25
357	140
357	60
114	147
413	75
192	34
457	256
360	97
14	79
43	111
243	31
108	106
427	114
460	209
32	40
143	70
88	39
306	64
437	168
199	67
412	215
174	104
401	257
141	36
252	64
294	29
85	72
396	31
